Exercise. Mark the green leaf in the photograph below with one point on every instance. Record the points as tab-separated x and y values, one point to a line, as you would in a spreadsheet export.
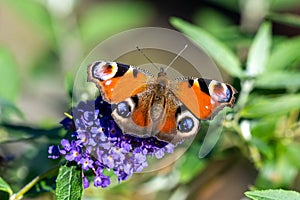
5	187
288	19
259	50
279	80
212	20
284	54
266	106
69	84
264	128
69	183
21	132
284	4
7	108
263	147
214	48
109	18
273	195
9	76
292	153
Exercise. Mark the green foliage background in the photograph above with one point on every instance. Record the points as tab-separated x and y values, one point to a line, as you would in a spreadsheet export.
43	42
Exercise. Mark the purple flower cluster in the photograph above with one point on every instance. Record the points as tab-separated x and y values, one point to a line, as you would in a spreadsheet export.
99	145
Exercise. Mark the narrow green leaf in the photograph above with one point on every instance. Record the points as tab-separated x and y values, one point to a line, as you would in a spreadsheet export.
69	183
264	128
5	187
288	19
259	51
273	195
9	76
263	147
292	153
284	54
216	49
282	5
264	106
7	108
279	80
212	20
69	84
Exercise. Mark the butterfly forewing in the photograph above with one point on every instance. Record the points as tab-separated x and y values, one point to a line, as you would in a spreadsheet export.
203	97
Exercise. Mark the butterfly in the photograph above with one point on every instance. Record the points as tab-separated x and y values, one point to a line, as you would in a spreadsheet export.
148	106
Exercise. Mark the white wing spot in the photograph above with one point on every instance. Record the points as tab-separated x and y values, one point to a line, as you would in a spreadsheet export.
108	82
112	89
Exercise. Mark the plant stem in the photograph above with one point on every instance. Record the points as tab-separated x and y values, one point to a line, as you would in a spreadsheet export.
26	188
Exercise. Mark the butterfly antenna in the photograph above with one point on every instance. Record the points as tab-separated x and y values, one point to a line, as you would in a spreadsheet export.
185	46
138	48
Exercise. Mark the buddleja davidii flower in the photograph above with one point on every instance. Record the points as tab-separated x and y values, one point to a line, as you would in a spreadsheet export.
98	145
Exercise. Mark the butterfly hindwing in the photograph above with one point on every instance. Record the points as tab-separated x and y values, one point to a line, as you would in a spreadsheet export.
132	117
178	124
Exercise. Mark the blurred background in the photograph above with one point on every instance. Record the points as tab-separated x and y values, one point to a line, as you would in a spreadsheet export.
42	44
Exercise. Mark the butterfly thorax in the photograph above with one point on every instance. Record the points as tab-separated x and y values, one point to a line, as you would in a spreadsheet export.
161	83
160	91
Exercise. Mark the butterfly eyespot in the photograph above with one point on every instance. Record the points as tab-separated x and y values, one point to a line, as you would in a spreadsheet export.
220	91
104	71
186	124
123	109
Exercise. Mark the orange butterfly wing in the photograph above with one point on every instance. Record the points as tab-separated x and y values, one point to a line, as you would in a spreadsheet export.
203	97
111	79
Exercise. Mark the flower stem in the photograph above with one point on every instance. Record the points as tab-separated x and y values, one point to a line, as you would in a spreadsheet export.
26	188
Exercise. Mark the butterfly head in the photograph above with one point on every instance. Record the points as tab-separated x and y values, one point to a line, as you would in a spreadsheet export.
162	73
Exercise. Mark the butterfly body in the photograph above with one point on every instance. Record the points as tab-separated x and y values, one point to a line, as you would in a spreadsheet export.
145	106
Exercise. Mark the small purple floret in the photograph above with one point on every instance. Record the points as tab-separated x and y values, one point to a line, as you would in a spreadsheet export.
85	182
